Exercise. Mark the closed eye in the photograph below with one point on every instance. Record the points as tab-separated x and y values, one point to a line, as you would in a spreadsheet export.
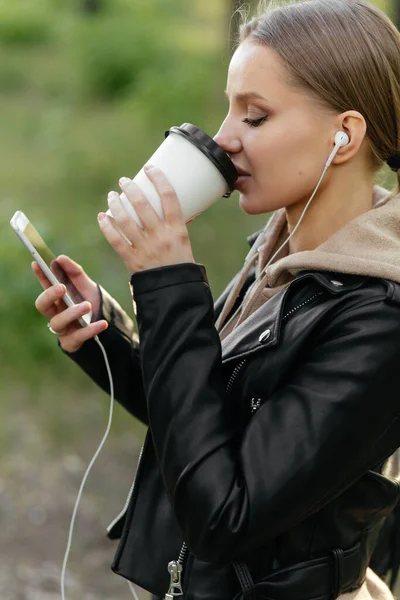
255	122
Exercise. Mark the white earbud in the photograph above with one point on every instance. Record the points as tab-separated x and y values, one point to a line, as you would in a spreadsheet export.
341	139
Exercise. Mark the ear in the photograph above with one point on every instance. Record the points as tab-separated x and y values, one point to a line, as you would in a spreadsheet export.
353	123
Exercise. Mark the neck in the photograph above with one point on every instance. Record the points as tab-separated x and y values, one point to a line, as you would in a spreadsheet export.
336	203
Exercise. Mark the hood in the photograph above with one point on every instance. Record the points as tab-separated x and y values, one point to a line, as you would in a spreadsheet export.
367	245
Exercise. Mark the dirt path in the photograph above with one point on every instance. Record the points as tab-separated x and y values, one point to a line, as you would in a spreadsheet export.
38	487
39	480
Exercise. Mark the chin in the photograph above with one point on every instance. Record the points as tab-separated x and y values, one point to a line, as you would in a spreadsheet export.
249	206
252	205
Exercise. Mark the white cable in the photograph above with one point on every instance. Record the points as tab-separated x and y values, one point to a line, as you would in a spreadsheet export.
299	221
71	527
133	590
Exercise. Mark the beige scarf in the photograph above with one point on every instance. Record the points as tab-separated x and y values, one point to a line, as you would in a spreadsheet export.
367	245
373	588
259	292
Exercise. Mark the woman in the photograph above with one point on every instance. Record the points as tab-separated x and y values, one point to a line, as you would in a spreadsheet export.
273	414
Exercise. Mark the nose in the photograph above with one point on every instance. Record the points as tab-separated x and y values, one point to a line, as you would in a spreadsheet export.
227	139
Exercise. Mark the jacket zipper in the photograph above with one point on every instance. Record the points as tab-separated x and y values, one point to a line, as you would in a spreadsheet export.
175	567
293	310
255	403
234	375
128	499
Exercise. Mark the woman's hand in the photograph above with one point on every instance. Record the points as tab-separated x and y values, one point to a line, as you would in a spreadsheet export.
62	319
160	242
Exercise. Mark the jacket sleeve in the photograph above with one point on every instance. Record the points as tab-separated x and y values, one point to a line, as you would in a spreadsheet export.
121	344
303	447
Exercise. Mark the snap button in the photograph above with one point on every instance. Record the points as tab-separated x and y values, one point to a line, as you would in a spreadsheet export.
336	282
264	336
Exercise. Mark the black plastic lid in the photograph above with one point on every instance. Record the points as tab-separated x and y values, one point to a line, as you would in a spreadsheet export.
210	148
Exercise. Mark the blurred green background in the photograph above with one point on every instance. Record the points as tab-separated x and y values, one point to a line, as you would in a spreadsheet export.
87	89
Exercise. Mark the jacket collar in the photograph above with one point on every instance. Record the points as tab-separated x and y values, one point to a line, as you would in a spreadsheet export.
262	329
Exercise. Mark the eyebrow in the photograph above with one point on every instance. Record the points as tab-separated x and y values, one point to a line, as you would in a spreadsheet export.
248	96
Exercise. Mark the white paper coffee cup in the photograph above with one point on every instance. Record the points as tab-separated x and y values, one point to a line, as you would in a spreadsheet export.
197	168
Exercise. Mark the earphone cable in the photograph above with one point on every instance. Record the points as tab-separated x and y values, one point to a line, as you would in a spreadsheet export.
71	527
133	590
112	400
299	221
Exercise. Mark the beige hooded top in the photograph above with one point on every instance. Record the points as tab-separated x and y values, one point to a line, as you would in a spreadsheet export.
368	245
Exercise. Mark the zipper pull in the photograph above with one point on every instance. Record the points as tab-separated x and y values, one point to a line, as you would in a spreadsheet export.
255	404
175	570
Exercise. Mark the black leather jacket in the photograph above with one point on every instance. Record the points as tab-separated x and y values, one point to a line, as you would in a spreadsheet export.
267	451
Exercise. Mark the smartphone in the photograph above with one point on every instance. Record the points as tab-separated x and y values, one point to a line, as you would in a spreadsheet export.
47	261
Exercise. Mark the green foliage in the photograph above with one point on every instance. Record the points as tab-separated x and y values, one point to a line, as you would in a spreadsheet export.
85	100
23	24
77	114
113	54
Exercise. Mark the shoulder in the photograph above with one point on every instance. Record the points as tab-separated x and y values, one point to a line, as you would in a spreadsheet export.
361	309
317	306
346	291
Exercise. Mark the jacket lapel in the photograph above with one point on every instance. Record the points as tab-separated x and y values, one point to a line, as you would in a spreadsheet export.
260	330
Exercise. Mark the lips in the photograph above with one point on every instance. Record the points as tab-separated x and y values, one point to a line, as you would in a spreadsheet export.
243	178
241	171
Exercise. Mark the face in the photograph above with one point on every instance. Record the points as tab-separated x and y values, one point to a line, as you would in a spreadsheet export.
277	136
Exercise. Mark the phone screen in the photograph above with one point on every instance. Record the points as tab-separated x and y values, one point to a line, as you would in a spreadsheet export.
42	248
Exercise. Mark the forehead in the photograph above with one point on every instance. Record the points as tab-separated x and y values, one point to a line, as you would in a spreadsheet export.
257	68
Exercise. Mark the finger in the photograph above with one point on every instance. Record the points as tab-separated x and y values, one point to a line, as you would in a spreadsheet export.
73	341
63	321
113	223
71	267
46	302
44	282
145	211
124	221
169	200
76	273
114	238
85	285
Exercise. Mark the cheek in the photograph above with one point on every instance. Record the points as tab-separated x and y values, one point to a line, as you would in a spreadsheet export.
272	150
283	172
279	154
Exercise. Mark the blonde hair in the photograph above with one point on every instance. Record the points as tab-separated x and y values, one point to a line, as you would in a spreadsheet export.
344	52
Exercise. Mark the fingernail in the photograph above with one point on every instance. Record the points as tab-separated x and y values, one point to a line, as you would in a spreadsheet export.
62	288
148	167
112	195
124	180
101	216
86	306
